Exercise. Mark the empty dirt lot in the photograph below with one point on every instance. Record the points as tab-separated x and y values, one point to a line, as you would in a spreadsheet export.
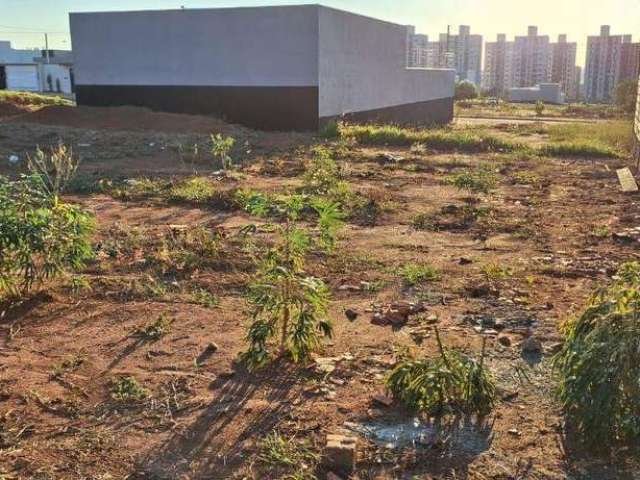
512	260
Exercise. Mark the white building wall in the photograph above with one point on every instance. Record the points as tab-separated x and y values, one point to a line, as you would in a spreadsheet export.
362	67
23	78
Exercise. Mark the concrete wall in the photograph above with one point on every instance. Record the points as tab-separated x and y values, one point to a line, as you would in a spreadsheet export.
275	46
60	76
545	92
362	67
23	78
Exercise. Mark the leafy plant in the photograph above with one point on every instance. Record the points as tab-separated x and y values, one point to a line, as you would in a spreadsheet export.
128	390
286	302
205	298
221	148
155	330
40	236
322	173
598	365
495	272
414	273
57	167
195	190
452	382
480	180
539	108
330	218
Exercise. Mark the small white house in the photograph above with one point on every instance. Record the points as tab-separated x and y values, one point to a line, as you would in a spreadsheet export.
545	92
35	71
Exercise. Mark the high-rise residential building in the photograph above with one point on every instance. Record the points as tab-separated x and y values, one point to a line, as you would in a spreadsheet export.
563	68
464	53
417	51
532	63
498	66
604	65
630	59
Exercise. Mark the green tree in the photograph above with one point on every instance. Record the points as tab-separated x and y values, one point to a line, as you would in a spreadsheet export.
466	90
626	94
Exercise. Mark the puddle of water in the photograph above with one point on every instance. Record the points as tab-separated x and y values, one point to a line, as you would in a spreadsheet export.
457	435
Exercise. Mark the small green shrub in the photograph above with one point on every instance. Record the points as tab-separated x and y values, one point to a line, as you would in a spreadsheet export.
450	383
495	272
599	364
221	147
128	390
155	330
579	149
197	190
539	108
330	130
414	274
56	166
480	180
205	298
40	236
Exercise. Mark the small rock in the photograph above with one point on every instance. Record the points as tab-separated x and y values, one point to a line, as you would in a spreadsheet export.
532	345
351	314
212	348
386	158
349	288
465	261
514	432
13	159
504	340
332	476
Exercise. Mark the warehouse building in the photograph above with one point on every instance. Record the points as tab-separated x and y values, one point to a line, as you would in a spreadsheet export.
275	68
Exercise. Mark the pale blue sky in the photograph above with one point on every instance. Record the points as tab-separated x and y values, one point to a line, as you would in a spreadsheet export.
24	21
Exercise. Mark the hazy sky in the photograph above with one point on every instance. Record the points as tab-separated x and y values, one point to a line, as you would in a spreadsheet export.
25	21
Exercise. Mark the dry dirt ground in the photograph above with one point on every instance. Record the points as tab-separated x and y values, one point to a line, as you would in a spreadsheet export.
546	244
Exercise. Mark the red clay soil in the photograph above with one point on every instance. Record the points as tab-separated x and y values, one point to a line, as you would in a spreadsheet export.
127	118
10	110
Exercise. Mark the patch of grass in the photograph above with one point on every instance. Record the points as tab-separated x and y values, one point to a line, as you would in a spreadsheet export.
480	180
155	330
578	149
330	129
617	135
439	140
278	452
526	178
32	99
69	364
414	273
128	390
495	272
137	188
204	298
197	190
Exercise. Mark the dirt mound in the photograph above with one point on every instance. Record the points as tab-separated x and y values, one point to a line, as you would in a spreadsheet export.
10	110
128	118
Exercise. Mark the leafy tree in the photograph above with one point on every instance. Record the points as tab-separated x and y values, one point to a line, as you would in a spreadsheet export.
626	94
599	364
287	304
221	148
466	90
40	236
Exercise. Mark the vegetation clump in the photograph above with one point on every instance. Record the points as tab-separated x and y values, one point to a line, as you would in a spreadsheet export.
197	190
414	274
41	237
480	180
287	304
278	452
453	382
128	390
599	364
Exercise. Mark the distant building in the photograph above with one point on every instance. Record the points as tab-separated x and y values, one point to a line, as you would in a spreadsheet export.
35	70
464	53
498	66
563	68
545	92
630	59
532	59
604	65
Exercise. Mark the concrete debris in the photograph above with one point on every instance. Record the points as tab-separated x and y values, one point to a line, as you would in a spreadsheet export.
389	158
382	399
397	314
627	182
628	235
340	453
13	159
504	340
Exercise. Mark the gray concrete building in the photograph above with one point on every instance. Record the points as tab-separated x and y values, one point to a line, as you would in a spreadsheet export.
603	68
563	68
497	77
532	59
545	92
290	67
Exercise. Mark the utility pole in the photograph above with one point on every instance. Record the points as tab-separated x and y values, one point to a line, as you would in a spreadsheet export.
46	47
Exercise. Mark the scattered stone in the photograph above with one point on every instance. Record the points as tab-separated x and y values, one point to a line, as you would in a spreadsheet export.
340	453
532	345
507	396
212	348
504	340
627	181
515	432
465	261
351	314
13	159
349	288
325	365
382	399
483	290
